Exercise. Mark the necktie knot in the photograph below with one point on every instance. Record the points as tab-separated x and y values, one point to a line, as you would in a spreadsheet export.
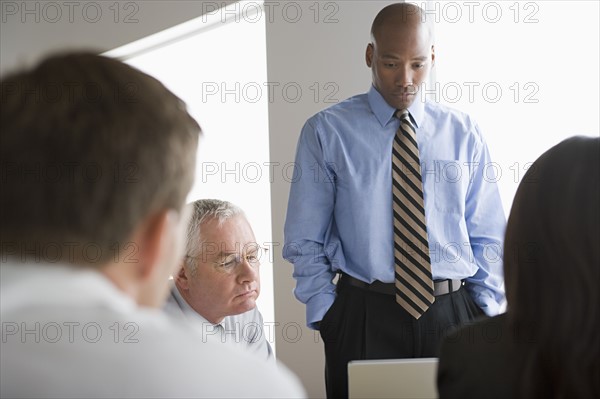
402	114
406	124
405	119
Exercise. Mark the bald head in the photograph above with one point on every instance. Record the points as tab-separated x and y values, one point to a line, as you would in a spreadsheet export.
400	16
400	54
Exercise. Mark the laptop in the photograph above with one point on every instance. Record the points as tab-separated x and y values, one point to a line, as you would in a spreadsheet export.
393	378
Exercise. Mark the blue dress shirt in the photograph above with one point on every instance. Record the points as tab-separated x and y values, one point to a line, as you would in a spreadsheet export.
339	215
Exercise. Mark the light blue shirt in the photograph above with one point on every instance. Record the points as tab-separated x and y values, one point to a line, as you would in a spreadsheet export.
244	331
339	215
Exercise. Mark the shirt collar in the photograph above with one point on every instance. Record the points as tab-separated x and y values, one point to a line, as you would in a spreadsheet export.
384	112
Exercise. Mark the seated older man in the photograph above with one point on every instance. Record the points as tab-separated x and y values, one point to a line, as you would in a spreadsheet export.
219	280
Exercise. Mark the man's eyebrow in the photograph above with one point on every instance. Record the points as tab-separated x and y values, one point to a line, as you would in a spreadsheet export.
247	248
393	57
226	253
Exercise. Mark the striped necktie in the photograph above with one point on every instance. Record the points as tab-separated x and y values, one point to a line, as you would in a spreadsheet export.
414	283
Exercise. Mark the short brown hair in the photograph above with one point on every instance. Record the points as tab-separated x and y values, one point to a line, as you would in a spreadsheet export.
90	146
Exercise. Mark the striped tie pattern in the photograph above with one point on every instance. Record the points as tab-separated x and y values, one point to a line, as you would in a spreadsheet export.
414	283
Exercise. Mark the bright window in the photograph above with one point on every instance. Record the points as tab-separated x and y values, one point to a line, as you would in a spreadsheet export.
527	71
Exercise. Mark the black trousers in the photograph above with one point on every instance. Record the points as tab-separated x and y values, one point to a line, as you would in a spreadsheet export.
363	324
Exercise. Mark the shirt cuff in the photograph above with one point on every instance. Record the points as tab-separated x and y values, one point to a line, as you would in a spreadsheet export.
316	307
489	306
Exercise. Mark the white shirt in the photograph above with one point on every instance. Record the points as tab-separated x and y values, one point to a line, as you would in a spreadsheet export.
243	331
69	332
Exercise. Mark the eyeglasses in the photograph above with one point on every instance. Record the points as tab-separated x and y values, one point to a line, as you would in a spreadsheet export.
230	263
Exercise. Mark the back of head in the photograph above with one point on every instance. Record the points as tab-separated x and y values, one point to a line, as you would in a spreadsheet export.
552	270
90	146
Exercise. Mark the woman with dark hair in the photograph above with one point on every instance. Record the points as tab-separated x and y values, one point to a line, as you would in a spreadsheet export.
547	345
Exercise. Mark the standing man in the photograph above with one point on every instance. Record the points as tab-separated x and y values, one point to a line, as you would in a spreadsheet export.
219	280
403	209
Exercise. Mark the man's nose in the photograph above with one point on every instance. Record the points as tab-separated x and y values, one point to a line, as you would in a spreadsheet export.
247	272
404	76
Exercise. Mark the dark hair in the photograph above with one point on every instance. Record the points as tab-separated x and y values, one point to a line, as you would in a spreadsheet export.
90	147
552	271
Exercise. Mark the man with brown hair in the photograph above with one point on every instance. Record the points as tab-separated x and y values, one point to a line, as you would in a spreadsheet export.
97	159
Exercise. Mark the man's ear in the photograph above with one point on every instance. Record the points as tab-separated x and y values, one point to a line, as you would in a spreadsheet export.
182	280
369	55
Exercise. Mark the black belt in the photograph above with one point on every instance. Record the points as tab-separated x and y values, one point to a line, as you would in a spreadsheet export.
440	287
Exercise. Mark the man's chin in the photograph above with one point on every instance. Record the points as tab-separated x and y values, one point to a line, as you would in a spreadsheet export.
245	307
247	301
401	101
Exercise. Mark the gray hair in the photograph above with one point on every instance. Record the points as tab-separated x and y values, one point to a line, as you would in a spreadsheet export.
203	211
